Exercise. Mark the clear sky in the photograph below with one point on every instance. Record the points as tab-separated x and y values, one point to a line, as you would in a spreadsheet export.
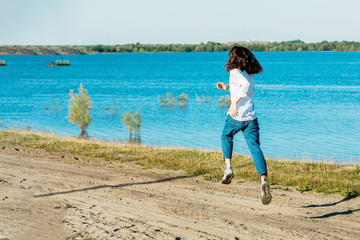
69	22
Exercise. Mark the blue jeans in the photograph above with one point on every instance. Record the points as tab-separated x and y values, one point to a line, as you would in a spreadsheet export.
250	130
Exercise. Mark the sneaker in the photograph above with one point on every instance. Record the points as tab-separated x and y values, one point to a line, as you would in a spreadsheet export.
228	175
265	193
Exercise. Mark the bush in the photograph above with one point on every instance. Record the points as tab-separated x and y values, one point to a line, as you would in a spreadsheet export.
225	100
171	100
205	99
132	121
80	109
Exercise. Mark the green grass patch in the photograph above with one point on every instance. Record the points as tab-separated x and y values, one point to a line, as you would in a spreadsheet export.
304	176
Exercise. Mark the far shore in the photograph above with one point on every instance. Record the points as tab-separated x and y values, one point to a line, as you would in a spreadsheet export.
256	46
31	52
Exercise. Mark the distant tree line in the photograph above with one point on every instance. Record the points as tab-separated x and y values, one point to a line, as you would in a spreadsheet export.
296	45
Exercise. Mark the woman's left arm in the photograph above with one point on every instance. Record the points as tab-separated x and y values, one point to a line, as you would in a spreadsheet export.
242	85
233	107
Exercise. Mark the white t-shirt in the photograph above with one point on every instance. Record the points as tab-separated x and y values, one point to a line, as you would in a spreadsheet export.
242	85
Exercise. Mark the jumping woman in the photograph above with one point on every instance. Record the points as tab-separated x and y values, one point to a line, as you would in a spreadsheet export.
242	65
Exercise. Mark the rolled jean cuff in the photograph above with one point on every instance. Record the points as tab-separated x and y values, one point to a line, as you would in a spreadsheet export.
264	173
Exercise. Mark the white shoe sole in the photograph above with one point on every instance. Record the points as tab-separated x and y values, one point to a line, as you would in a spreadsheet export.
266	195
227	179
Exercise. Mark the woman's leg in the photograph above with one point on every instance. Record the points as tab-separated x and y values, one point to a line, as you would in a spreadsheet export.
227	136
227	162
227	140
227	146
252	138
251	135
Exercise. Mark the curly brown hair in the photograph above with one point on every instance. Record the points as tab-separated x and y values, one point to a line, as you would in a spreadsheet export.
243	59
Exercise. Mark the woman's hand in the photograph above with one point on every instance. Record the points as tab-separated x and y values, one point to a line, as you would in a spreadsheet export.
233	111
221	85
233	108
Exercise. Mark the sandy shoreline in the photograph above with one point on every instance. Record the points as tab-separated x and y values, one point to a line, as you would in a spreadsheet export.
60	196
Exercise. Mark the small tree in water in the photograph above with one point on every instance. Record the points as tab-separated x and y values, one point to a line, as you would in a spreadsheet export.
170	101
132	121
80	109
138	121
128	121
225	101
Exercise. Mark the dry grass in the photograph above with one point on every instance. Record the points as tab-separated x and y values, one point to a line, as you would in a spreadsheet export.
305	176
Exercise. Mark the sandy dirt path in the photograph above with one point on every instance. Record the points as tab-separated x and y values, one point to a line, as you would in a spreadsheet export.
61	196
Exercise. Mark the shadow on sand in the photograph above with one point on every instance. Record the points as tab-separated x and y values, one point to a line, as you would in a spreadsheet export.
348	212
116	186
330	204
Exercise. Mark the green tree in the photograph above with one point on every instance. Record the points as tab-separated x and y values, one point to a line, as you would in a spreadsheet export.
183	98
133	121
80	109
128	122
169	100
138	121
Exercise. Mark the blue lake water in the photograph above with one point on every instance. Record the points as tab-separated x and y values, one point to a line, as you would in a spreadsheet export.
308	103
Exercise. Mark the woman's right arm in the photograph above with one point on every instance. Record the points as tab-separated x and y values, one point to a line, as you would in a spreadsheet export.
221	85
